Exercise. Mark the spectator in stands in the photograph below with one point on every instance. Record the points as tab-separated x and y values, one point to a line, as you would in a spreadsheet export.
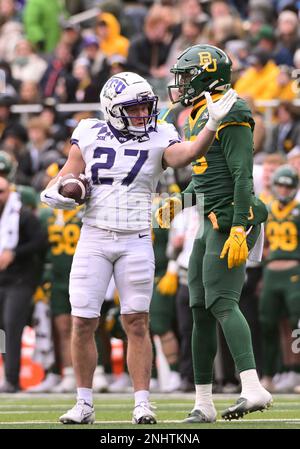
289	38
59	65
10	33
26	64
287	132
42	23
21	240
11	85
99	66
72	37
191	34
264	80
117	64
54	120
148	53
87	90
108	32
40	146
29	93
5	113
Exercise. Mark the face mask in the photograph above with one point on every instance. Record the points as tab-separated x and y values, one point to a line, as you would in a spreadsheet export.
21	60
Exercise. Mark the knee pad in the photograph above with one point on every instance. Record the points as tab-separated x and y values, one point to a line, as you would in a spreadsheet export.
223	307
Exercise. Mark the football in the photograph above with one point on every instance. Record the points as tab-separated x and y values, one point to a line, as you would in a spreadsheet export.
74	187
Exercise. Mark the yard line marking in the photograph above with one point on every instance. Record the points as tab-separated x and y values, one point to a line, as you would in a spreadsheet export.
287	421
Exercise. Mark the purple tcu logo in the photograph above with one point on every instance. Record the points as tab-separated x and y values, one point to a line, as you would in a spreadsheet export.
114	87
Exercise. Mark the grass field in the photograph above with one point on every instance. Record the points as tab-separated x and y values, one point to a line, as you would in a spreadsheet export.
24	411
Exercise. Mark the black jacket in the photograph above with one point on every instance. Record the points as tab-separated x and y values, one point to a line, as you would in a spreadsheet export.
27	265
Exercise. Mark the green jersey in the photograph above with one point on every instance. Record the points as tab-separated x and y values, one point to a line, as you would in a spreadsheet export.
224	175
63	233
283	231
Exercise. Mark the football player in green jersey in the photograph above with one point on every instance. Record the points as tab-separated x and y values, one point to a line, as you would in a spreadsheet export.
281	278
8	167
232	225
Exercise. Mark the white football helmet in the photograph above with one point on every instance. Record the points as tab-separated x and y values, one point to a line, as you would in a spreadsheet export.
128	89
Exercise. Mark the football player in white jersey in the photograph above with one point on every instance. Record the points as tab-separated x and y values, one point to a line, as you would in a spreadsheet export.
123	158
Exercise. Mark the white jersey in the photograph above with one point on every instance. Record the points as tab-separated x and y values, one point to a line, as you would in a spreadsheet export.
123	172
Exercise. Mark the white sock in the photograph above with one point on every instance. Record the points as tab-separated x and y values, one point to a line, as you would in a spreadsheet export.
86	394
68	371
141	396
250	383
204	396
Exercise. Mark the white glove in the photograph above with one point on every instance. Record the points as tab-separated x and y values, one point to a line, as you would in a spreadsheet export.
55	200
218	110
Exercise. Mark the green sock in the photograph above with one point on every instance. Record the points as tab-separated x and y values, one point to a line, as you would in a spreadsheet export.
204	345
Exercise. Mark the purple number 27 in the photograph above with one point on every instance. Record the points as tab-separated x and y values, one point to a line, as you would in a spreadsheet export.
141	155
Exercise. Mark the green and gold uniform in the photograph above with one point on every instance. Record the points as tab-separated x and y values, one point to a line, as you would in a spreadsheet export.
224	177
63	233
281	289
162	307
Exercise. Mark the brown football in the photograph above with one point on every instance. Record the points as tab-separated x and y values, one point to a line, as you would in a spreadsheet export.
74	187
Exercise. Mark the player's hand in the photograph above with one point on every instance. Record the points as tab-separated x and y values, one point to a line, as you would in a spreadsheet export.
236	247
218	110
165	214
54	199
168	284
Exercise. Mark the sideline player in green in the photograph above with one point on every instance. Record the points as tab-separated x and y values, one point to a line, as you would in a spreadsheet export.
281	277
8	167
232	227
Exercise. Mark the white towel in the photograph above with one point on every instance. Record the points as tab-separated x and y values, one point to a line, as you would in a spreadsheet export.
255	254
9	222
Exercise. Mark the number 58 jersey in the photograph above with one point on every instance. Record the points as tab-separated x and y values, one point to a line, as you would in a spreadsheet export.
123	171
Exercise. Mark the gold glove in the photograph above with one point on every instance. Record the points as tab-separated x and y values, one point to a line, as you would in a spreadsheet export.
236	247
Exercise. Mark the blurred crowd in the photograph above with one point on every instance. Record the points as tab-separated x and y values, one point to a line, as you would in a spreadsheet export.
62	52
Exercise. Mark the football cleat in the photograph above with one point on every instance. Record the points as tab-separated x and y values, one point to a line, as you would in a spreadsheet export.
81	413
244	406
50	381
197	416
100	382
143	414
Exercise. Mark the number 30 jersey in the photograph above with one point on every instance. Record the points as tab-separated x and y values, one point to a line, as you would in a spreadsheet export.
123	171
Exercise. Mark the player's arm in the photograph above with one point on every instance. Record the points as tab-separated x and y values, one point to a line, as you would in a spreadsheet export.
237	144
51	196
74	164
181	154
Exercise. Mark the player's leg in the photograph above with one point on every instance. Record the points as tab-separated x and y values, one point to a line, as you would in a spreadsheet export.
90	275
292	288
204	340
133	272
222	292
162	322
62	322
269	316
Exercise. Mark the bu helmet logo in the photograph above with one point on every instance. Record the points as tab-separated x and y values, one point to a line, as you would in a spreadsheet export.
207	62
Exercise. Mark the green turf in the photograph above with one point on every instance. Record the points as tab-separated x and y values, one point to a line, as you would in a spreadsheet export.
114	412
